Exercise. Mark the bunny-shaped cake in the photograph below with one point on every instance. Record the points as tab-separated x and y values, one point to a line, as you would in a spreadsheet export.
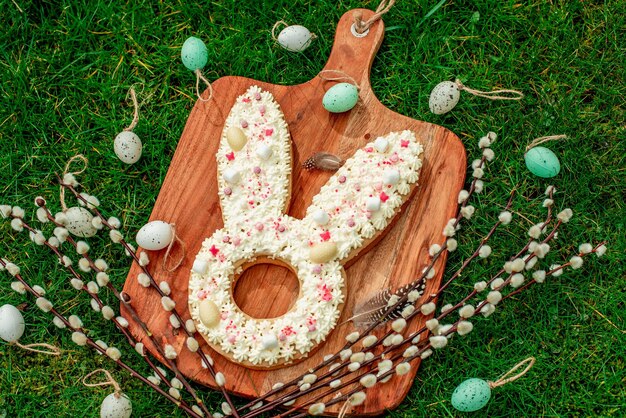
254	176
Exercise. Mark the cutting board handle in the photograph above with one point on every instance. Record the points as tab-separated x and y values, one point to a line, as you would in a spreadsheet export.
354	55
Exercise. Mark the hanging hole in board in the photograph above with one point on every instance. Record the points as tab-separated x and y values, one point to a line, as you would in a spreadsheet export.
357	34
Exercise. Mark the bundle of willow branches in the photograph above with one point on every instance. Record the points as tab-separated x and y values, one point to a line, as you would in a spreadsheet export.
380	348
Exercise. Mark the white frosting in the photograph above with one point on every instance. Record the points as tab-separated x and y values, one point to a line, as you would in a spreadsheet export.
255	225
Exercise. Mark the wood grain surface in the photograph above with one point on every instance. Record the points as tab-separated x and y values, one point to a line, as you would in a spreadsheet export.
189	199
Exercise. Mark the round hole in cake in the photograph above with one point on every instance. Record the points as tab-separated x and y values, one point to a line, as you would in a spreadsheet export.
266	288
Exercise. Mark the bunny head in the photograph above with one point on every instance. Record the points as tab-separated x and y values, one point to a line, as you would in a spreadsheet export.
254	176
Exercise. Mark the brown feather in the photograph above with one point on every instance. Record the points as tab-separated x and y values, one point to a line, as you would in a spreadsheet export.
323	161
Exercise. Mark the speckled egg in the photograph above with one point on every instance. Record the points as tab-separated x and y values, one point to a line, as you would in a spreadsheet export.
116	406
127	147
471	395
444	97
11	323
155	235
194	53
79	222
295	38
340	98
542	162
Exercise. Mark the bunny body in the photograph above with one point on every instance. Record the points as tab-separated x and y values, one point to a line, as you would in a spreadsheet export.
349	213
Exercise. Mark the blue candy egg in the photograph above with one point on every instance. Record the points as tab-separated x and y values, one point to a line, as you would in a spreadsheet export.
542	162
340	98
471	395
194	54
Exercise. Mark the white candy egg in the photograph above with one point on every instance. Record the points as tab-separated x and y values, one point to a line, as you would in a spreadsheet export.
11	323
127	147
79	222
444	97
155	235
116	406
295	38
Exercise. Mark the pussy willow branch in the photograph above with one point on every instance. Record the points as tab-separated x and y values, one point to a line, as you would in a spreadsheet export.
125	300
118	325
426	345
102	351
295	393
155	286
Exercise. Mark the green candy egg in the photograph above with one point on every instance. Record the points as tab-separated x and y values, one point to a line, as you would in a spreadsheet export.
471	395
542	162
194	53
340	98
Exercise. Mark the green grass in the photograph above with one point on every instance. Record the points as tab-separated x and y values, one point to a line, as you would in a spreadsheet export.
65	69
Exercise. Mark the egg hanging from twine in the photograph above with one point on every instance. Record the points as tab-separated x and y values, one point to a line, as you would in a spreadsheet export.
195	55
12	327
343	96
294	38
115	405
446	95
79	221
158	235
541	161
473	394
127	145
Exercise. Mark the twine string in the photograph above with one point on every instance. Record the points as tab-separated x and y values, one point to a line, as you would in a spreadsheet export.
133	97
276	26
362	26
344	409
175	239
49	349
78	157
109	382
505	379
341	76
200	76
492	95
543	139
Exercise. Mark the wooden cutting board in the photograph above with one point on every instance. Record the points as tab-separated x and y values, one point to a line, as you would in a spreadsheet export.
189	199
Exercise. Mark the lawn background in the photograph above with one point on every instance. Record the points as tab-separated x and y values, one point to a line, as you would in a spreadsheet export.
65	69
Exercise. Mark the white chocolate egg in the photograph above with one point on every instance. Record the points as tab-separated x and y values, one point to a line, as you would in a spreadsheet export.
373	204
381	144
116	406
236	138
269	342
391	176
444	97
200	266
263	151
232	176
11	323
155	235
323	252
209	313
321	217
127	147
79	222
295	38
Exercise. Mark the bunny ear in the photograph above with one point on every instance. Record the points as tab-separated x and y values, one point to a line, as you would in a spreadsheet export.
254	158
364	196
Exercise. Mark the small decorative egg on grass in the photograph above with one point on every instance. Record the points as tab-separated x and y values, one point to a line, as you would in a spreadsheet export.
542	162
116	405
12	324
155	235
128	147
341	98
194	53
295	38
444	97
79	222
471	395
